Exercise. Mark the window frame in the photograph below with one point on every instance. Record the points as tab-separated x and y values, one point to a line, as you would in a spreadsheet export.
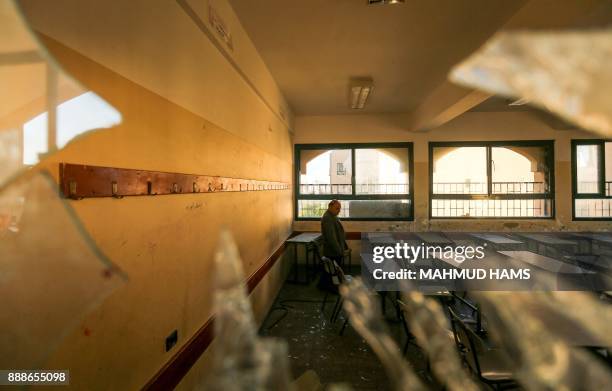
600	143
354	197
550	195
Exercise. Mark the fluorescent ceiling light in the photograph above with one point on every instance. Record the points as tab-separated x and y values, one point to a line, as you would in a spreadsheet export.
359	92
377	2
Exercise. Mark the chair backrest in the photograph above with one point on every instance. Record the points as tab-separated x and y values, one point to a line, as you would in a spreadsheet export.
328	265
339	272
332	268
467	341
475	311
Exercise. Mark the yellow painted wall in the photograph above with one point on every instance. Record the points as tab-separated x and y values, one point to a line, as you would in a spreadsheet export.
471	126
186	108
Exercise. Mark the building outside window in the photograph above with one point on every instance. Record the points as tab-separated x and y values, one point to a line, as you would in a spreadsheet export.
373	181
592	179
512	179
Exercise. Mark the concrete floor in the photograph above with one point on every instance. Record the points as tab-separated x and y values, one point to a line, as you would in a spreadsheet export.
315	343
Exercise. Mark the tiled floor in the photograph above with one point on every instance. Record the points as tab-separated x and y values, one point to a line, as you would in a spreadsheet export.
315	343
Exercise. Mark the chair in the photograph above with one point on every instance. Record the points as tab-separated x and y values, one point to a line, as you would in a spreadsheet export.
486	363
410	338
313	248
337	278
476	320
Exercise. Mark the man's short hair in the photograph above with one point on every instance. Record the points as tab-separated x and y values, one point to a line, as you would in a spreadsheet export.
332	203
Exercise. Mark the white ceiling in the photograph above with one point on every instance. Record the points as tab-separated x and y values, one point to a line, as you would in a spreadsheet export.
313	47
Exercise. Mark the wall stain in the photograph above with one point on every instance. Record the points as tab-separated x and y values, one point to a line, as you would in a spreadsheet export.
194	205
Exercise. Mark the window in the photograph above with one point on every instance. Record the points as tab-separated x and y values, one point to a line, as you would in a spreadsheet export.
373	181
592	179
510	179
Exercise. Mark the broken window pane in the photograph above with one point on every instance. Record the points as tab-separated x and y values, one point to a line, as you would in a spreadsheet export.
51	272
565	72
41	107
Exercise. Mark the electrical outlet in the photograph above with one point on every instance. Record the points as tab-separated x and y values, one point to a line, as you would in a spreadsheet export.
171	340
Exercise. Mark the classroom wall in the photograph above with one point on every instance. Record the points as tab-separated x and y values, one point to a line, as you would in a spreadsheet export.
187	107
470	126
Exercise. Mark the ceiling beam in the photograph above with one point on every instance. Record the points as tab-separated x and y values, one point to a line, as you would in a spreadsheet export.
446	102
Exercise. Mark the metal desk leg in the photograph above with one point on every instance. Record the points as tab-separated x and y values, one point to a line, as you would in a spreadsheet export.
307	270
295	257
350	261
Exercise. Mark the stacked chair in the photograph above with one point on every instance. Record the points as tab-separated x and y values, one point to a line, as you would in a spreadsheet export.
486	363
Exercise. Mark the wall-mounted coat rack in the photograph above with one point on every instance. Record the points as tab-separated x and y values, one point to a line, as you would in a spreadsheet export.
80	181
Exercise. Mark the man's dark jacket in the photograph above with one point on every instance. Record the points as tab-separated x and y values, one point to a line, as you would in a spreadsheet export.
334	242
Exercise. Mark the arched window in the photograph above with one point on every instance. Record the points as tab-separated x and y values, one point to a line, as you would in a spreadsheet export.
371	180
491	179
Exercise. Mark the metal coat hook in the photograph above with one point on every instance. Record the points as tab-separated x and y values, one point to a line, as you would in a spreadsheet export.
73	188
115	190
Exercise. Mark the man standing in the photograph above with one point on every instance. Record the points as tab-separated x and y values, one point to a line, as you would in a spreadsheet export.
334	242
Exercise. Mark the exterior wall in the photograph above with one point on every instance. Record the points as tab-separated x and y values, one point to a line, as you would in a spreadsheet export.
186	108
471	126
343	157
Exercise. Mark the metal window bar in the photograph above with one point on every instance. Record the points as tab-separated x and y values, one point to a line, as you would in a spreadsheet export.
316	208
460	188
596	208
588	187
491	208
382	188
322	188
481	188
519	187
362	188
592	187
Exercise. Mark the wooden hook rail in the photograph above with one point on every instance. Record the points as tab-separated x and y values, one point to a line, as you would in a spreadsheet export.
80	181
